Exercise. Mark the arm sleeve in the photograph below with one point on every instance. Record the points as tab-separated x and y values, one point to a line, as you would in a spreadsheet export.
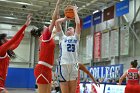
8	44
16	44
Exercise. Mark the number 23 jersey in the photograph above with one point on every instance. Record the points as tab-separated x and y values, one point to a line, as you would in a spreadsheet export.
69	47
133	76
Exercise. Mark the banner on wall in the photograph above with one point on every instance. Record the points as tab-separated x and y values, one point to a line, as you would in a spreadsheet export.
87	22
97	18
97	45
124	42
105	44
114	89
89	46
122	8
113	71
114	42
109	13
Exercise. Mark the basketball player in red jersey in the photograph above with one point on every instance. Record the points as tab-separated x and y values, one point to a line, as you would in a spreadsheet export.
43	70
84	69
133	77
6	47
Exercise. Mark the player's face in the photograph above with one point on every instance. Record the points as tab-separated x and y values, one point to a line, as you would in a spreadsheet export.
3	41
70	31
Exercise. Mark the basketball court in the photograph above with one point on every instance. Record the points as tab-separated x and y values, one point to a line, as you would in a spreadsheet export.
109	43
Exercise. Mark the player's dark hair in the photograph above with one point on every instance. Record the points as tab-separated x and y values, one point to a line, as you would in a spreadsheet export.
134	63
9	52
2	36
36	32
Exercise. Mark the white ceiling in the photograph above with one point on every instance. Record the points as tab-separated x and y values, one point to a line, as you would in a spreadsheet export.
15	11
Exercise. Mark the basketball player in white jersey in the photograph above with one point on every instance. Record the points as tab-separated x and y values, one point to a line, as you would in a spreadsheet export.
69	45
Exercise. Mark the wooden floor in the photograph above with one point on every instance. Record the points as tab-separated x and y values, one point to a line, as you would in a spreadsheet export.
21	91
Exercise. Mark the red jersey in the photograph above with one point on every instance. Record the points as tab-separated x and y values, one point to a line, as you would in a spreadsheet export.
4	63
47	46
133	76
4	58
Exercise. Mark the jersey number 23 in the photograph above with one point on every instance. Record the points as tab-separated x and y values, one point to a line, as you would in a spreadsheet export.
71	47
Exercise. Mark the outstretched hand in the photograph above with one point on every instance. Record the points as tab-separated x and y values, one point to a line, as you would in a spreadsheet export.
58	2
28	21
97	84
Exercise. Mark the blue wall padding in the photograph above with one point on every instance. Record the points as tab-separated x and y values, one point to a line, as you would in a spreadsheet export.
20	78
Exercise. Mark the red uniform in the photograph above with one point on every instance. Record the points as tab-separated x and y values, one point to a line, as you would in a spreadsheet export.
43	70
133	81
4	58
133	76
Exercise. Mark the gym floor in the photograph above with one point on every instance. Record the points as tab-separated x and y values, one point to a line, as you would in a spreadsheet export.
21	91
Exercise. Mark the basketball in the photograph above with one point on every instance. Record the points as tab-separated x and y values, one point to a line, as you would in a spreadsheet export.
69	13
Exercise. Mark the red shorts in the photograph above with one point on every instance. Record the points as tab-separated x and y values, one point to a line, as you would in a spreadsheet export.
43	74
132	89
128	89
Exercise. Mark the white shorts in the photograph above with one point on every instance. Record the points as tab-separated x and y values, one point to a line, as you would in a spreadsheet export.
67	72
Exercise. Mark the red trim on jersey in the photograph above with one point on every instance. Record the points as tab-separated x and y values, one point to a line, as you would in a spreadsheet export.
43	74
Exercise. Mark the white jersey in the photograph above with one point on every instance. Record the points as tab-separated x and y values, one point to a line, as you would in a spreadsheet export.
69	46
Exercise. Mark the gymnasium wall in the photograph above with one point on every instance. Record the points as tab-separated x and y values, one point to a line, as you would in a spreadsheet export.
134	49
82	47
137	6
27	52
